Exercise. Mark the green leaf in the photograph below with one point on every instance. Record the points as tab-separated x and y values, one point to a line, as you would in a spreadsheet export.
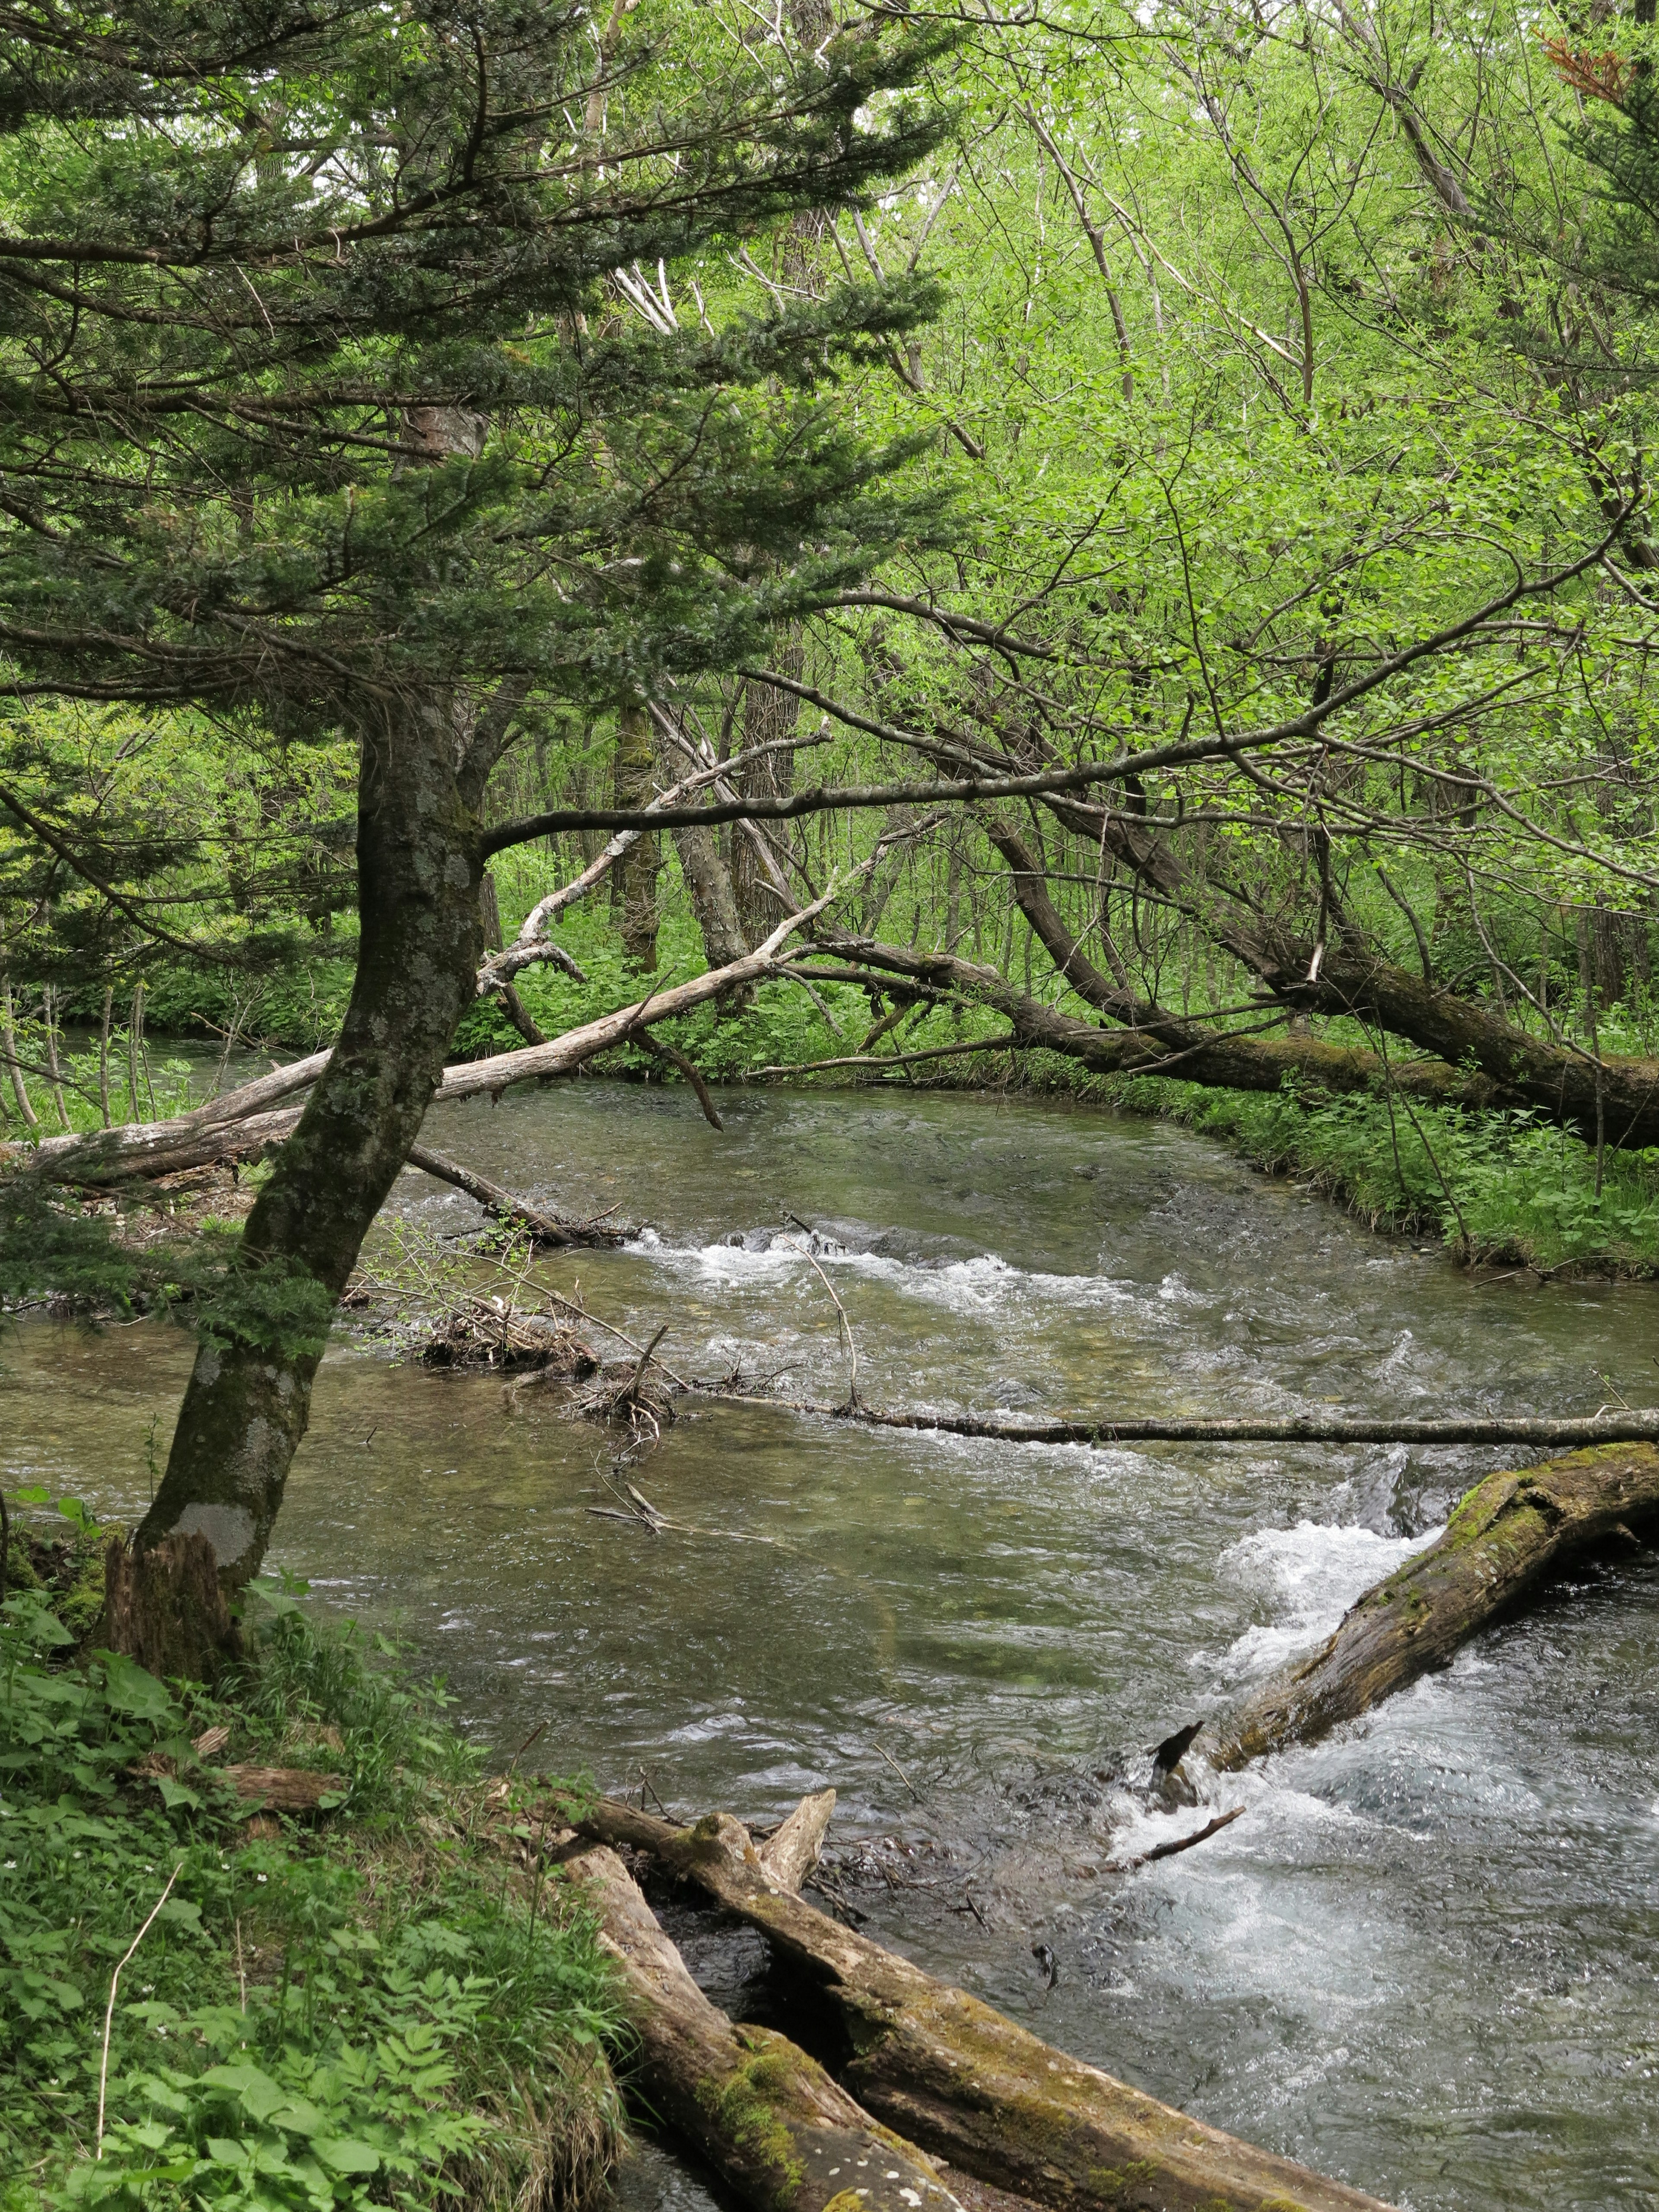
346	2155
132	1690
258	2095
271	1593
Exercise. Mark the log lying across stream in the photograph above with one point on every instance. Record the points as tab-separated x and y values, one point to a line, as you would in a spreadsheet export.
1507	1535
962	2080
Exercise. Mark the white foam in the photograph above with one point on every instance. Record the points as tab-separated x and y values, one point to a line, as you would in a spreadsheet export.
984	1281
1309	1575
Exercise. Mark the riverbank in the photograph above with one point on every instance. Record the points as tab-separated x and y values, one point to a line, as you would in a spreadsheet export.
374	2004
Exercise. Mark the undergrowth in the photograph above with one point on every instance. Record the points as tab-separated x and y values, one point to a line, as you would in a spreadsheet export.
381	2009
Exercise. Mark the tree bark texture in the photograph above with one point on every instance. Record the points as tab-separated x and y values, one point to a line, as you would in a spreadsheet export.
773	2124
164	1608
635	873
419	869
768	714
713	901
970	2085
1507	1535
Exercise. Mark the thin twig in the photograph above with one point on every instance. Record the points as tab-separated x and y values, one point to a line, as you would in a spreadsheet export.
1183	1843
846	1326
109	2009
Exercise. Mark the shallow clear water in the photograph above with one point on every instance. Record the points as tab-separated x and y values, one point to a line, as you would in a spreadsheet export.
1424	1959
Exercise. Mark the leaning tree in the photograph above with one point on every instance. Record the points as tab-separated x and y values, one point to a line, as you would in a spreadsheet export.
318	415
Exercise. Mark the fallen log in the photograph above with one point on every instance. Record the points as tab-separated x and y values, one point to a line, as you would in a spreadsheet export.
111	1156
774	2125
1567	1432
282	1788
1507	1535
968	2084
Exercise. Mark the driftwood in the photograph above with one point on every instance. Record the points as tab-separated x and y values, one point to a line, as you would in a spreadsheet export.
968	2084
771	2122
1508	1534
506	1205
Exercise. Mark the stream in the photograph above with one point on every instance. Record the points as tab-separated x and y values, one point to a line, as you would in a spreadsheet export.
1422	1961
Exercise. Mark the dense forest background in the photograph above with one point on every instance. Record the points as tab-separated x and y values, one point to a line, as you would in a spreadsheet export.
1260	348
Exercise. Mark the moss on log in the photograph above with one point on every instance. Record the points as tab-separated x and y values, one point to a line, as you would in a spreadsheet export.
1506	1537
774	2125
970	2085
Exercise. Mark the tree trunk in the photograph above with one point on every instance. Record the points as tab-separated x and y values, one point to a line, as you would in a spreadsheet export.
1157	1047
970	2085
1563	1085
248	1401
635	873
713	901
1509	1533
767	2117
768	715
164	1608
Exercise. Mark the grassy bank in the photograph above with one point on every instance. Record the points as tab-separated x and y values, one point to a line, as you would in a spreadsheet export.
378	2008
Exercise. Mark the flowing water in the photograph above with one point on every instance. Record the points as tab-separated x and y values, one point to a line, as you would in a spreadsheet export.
1425	1958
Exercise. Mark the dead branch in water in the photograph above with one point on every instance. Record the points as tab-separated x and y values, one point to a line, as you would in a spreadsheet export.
688	1069
505	1206
1180	1843
1101	1429
644	1407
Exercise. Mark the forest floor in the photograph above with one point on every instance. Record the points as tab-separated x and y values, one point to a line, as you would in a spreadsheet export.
371	2004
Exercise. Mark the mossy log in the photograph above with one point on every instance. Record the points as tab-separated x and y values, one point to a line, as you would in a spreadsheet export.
1509	1534
970	2085
774	2125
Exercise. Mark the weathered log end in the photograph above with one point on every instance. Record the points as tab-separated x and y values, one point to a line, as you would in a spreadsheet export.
165	1608
791	1852
1505	1537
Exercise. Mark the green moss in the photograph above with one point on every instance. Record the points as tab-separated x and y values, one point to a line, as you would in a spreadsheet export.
748	2108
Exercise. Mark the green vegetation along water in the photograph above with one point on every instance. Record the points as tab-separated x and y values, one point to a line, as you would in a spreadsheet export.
1425	1960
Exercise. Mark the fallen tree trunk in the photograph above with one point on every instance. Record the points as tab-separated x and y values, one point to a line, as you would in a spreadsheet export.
968	2084
1508	1534
1160	1045
774	2125
1564	1083
229	1129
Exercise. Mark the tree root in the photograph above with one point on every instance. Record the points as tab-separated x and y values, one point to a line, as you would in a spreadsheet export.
968	2084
